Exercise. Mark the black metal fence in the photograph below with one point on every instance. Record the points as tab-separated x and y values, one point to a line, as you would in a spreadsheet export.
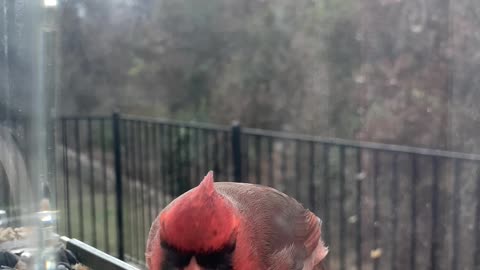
383	206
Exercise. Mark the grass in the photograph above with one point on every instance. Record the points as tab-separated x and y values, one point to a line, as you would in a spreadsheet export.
100	230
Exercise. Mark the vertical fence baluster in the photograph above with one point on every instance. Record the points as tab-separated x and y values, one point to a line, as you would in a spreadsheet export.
226	159
118	185
53	171
126	186
311	186
258	159
148	174
216	166
171	158
168	161
160	170
92	182
128	182
156	168
476	261
435	237
141	168
456	215
326	195
376	209
68	221
413	226
135	179
297	176
359	180
207	151
79	178
179	161
171	162
342	208
197	155
236	152
246	161
188	158
394	197
164	166
270	162
284	165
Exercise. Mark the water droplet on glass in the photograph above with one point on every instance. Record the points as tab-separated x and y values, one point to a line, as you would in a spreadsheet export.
393	81
376	253
360	79
416	28
361	176
353	219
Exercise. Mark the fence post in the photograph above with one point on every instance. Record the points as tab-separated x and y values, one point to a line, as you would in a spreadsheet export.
236	151
118	184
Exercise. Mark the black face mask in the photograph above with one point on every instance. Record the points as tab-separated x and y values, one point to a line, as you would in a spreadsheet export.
176	259
218	260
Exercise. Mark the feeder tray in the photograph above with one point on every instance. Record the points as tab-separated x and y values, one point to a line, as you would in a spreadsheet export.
93	258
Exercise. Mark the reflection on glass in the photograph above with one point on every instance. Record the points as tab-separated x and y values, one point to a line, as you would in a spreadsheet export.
27	84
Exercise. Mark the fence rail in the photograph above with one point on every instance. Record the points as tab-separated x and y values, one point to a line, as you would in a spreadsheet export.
383	206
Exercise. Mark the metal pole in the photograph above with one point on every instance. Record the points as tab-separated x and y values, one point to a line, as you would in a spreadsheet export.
236	152
118	184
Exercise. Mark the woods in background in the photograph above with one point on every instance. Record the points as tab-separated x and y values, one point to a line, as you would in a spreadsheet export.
394	71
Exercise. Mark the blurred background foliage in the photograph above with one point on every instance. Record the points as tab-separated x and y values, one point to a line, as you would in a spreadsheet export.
394	71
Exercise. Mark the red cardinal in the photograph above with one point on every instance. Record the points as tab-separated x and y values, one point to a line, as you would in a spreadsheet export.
236	226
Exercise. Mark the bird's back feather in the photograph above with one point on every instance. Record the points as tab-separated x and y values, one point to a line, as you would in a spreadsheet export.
285	235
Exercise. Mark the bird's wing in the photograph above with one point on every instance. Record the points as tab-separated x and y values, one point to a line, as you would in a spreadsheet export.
154	247
282	228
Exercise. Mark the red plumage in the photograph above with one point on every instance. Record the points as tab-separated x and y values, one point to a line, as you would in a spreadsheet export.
269	230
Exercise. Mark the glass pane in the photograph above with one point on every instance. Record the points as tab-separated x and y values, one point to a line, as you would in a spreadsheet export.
28	216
